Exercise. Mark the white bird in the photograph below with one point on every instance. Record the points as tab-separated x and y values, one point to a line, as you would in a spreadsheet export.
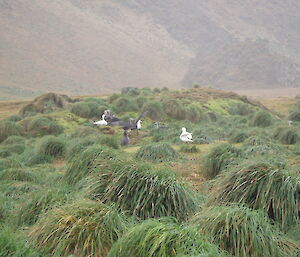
290	123
185	136
102	122
139	124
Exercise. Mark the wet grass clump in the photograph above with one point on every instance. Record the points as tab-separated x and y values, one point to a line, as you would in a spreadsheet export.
52	146
41	126
9	128
84	228
286	135
158	152
147	192
261	119
165	237
243	232
262	186
219	158
93	159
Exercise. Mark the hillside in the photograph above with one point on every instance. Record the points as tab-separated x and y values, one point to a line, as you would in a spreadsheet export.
87	47
217	168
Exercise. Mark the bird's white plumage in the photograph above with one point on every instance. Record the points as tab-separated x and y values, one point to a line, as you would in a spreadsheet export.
102	122
185	136
139	124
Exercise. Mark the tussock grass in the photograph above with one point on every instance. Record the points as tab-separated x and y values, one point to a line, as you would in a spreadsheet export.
239	137
17	190
39	202
41	126
174	109
14	118
12	244
125	104
52	146
92	159
158	152
189	149
81	109
295	115
261	119
194	113
243	232
262	186
240	109
147	192
219	158
13	140
161	238
9	162
83	131
18	174
7	150
84	228
38	158
286	135
9	128
155	110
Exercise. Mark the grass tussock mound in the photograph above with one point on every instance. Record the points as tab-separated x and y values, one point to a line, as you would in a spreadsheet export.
155	110
18	174
261	119
81	109
286	135
147	193
295	115
93	159
159	152
174	109
38	203
263	186
84	228
52	146
160	238
12	244
189	149
10	162
11	140
125	104
243	232
219	158
45	103
9	128
238	137
41	126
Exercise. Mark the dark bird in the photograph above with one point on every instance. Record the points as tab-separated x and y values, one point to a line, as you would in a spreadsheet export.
125	138
109	117
132	124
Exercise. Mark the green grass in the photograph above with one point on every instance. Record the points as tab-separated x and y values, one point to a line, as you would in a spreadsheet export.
219	158
158	152
189	149
13	244
39	202
41	126
51	146
243	232
84	228
261	119
262	185
163	238
147	192
9	128
93	159
286	135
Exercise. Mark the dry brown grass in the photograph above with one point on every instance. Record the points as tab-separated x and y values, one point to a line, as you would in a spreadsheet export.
8	108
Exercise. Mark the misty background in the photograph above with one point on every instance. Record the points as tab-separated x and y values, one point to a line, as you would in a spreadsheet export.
95	47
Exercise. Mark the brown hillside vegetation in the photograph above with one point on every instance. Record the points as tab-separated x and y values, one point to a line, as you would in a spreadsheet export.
94	47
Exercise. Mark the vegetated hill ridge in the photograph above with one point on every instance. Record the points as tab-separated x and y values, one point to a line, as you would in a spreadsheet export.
87	47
